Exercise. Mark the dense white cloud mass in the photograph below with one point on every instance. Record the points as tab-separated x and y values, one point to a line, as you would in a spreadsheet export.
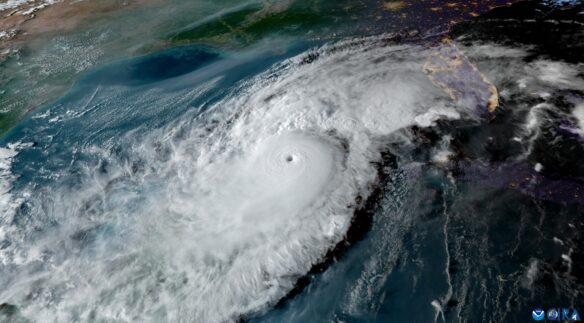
217	217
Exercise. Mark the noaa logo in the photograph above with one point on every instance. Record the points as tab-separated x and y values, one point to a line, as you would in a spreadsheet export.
538	314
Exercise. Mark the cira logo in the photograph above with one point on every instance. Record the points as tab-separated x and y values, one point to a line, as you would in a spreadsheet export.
553	314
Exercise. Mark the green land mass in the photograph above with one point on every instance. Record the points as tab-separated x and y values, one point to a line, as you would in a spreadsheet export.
40	74
250	24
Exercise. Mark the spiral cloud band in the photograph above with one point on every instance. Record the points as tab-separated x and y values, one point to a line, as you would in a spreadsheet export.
215	218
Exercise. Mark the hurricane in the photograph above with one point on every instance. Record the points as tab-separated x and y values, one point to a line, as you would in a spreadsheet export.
323	179
236	201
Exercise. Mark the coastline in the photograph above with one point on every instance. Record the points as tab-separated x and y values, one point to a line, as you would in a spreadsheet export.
30	74
34	19
46	44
